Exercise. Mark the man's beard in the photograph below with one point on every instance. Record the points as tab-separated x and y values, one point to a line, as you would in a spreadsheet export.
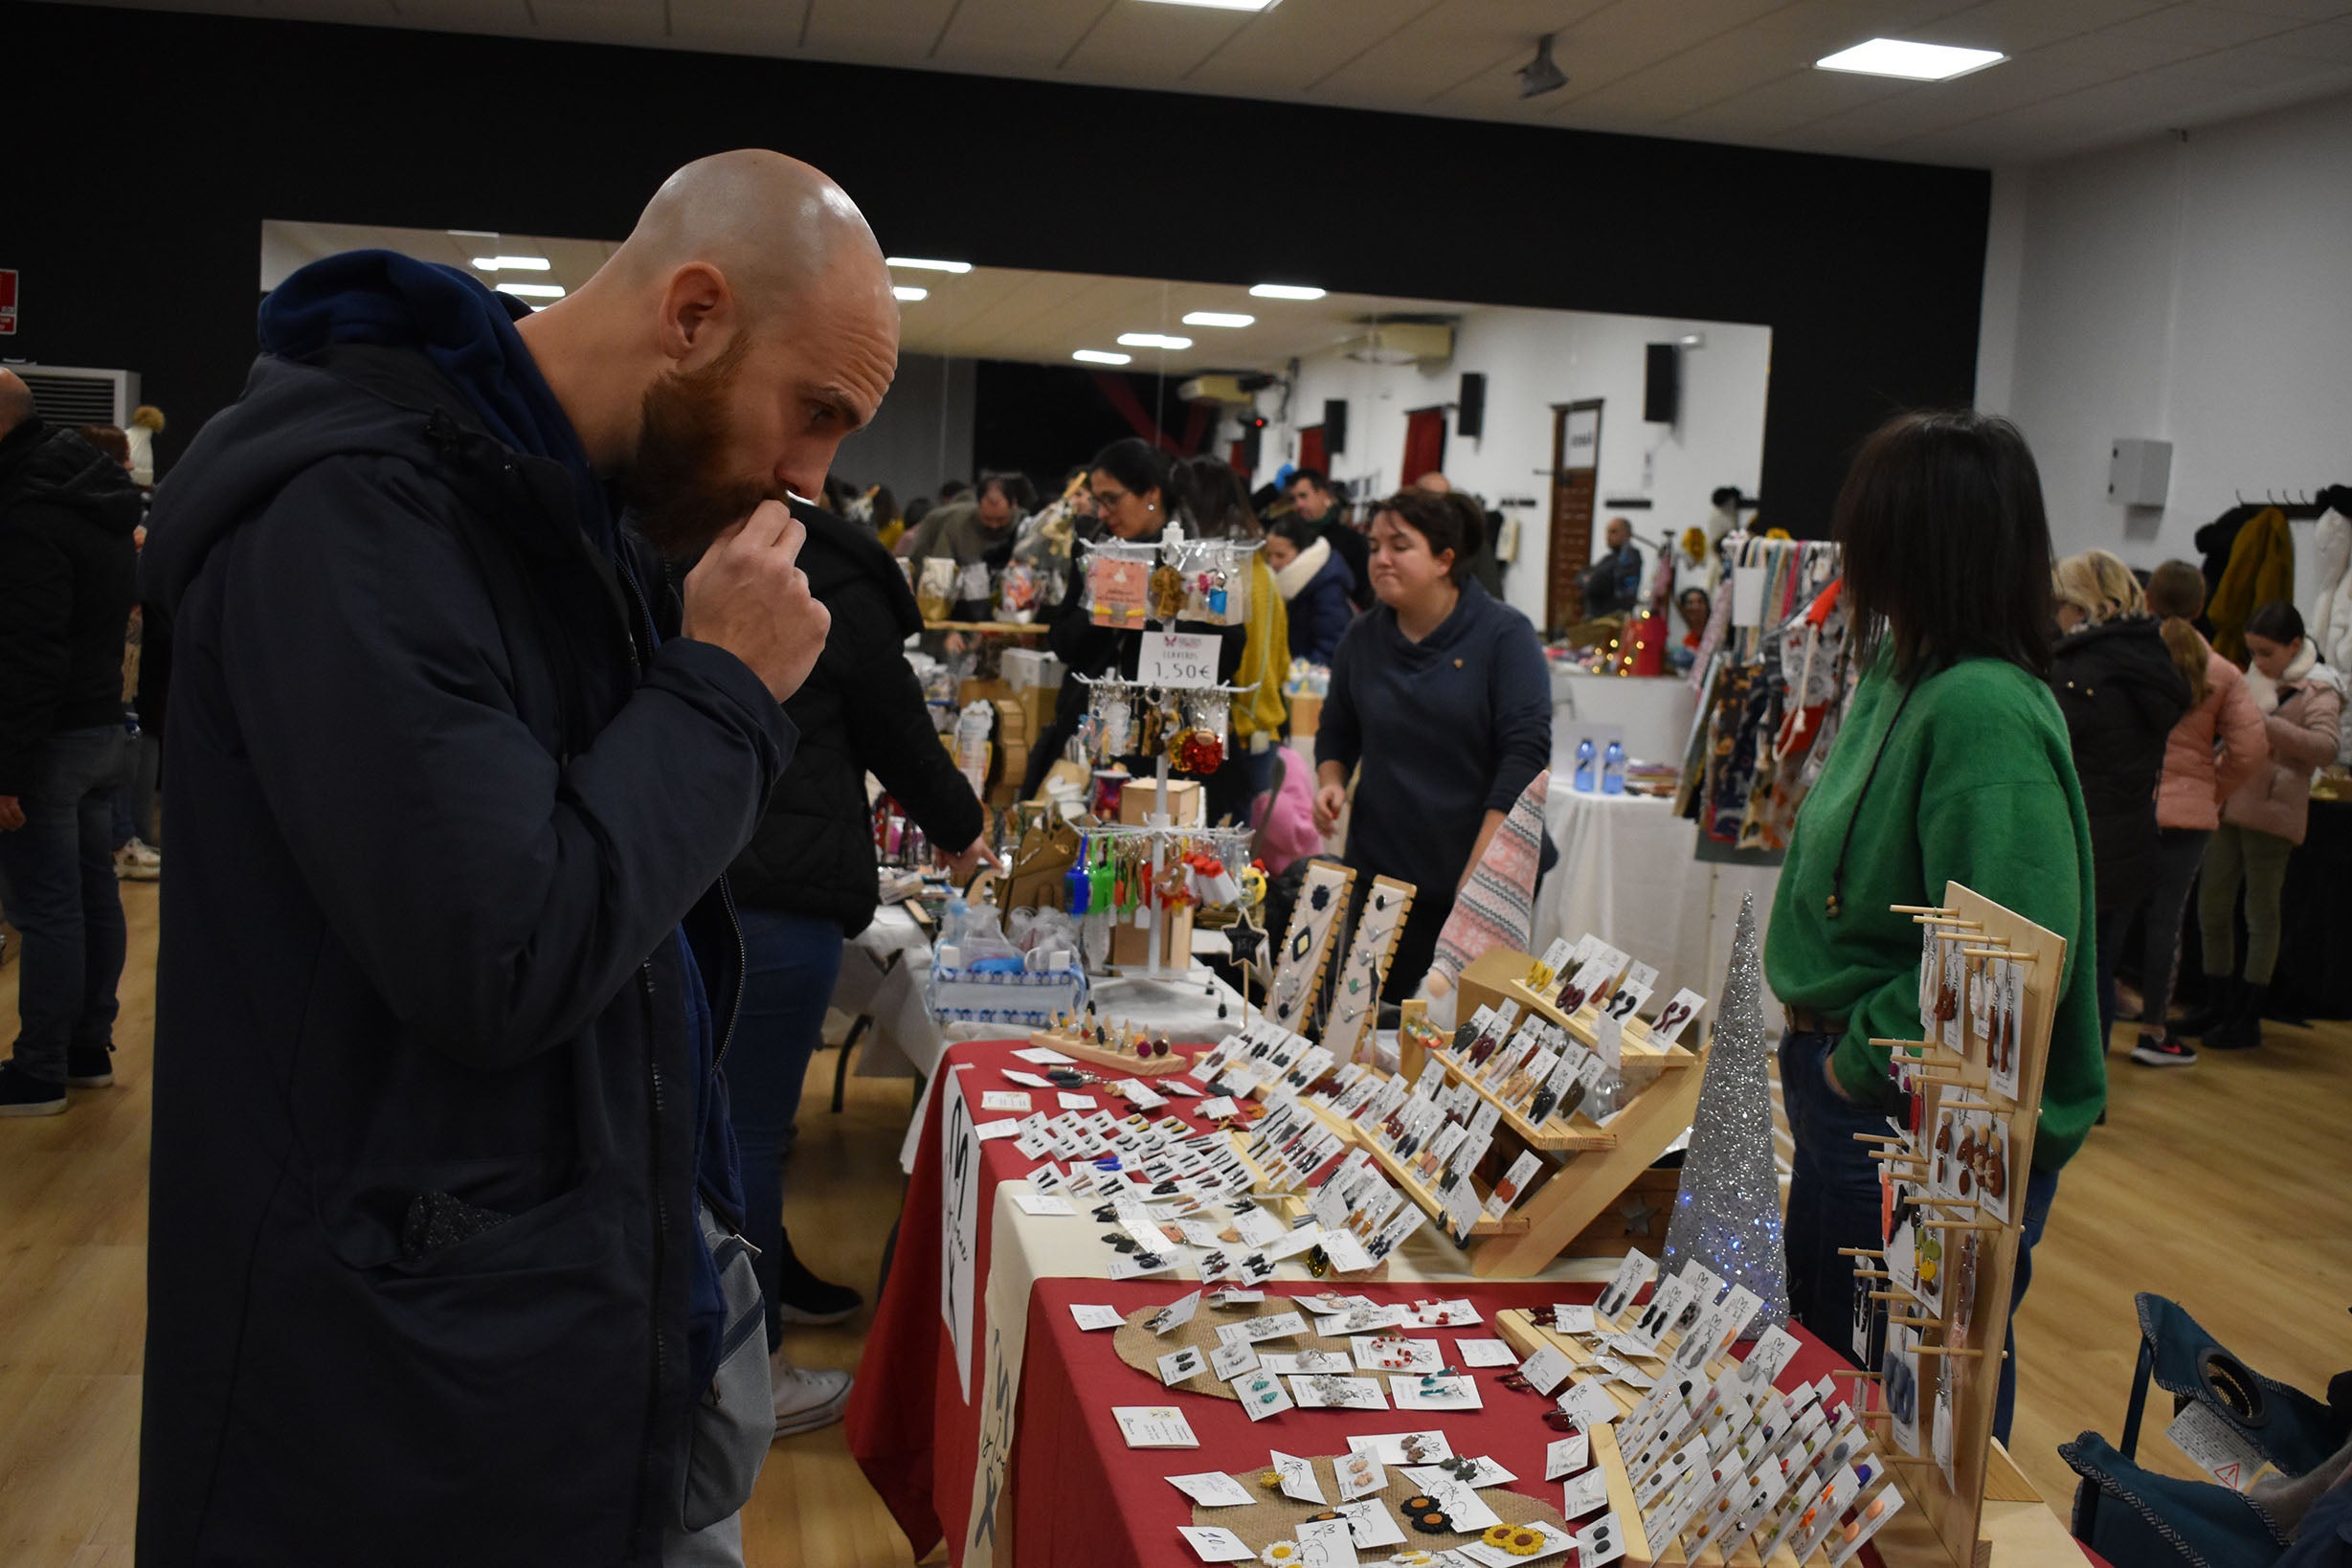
673	482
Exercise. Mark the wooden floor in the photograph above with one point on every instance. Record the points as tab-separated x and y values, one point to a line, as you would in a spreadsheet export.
2228	1186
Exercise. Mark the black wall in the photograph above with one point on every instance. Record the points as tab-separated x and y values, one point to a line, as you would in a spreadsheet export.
164	140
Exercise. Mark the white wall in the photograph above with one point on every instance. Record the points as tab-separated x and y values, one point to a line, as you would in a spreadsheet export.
2196	290
1532	359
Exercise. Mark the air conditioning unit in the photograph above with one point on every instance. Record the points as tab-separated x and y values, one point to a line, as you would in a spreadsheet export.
1220	388
1404	343
68	395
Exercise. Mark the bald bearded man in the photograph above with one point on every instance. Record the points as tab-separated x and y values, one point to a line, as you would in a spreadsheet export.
443	1256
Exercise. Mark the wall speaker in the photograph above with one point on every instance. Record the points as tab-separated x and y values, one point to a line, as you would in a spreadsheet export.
1334	426
1662	384
1470	412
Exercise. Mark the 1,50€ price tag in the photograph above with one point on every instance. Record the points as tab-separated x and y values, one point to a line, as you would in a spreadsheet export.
1177	659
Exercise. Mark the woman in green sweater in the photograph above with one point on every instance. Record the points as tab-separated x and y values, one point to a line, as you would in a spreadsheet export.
1954	766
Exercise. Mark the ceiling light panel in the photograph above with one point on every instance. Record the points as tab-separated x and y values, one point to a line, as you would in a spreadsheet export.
1219	5
914	263
1153	339
1910	62
1285	291
533	291
1099	356
1218	318
909	293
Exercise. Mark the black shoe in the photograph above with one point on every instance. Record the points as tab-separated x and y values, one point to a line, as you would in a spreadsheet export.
89	1067
21	1094
2243	1032
2221	1004
801	1298
2168	1052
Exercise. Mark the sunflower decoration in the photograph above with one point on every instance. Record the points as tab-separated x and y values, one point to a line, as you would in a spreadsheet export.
1497	1535
1520	1541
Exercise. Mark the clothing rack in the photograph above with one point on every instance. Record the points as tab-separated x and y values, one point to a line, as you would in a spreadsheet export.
2303	510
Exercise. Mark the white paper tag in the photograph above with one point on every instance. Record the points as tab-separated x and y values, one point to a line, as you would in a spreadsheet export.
1183	658
1327	1543
1214	1545
1484	1352
2214	1448
1213	1489
1582	1493
1298	1477
1026	1080
1179	1364
1547	1368
1601	1541
1153	1427
1042	1055
1566	1456
1747	596
1039	1203
1372	1524
1004	1100
1090	1318
1589	1403
1230	1361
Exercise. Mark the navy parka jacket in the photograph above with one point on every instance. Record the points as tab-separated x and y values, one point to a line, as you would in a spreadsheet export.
439	808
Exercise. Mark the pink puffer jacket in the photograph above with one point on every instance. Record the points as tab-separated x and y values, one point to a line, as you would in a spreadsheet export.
2302	731
2196	780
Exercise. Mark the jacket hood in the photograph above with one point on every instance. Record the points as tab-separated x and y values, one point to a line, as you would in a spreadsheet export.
2128	653
347	402
1291	580
839	552
54	466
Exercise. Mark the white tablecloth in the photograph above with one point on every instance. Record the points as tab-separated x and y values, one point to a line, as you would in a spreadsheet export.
1626	874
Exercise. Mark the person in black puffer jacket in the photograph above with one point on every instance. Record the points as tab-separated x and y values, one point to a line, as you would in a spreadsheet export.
67	573
807	881
2121	693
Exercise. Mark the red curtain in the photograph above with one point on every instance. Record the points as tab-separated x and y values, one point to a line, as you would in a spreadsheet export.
1424	444
1310	450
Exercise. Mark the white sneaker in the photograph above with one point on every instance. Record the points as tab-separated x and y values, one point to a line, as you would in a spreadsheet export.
805	1398
138	861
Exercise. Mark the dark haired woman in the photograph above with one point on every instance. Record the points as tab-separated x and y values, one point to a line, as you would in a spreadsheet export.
1441	692
1316	584
1138	490
1952	765
1222	511
2301	700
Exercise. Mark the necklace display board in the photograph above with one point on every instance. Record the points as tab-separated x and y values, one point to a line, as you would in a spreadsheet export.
1356	1003
1307	943
1939	1287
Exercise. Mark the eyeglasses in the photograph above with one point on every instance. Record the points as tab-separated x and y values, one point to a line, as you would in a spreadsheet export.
1109	498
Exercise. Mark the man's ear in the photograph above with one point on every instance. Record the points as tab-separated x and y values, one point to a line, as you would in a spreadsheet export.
696	305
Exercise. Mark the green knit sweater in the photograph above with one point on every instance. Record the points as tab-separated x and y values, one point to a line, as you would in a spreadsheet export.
1977	787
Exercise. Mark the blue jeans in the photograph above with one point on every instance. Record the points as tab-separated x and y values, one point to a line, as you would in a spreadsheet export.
790	964
1833	1202
56	880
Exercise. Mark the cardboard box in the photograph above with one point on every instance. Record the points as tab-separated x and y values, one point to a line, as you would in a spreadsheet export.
1138	799
1037	704
1030	669
969	691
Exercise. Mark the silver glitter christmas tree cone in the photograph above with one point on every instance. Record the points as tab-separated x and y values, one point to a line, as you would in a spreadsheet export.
1726	1214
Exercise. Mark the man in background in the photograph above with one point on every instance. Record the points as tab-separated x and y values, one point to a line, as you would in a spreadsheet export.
446	1255
1613	584
68	578
1314	499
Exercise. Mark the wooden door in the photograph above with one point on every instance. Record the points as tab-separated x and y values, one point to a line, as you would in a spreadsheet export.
1576	481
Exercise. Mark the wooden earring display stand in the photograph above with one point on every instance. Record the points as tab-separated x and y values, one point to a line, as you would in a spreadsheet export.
1591	1167
1369	951
1985	934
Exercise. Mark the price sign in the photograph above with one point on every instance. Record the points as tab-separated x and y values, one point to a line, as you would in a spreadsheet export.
1177	659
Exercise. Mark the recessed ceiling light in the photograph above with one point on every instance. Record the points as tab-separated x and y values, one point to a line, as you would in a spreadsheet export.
1285	291
472	233
916	263
1217	318
1153	339
533	291
1911	61
1223	5
512	263
909	293
1099	356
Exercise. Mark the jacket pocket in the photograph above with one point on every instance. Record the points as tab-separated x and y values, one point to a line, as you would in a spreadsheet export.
735	1418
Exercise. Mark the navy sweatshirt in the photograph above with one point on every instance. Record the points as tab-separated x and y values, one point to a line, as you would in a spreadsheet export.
1448	729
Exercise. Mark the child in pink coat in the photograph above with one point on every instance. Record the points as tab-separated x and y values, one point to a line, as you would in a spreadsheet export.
2218	745
1285	816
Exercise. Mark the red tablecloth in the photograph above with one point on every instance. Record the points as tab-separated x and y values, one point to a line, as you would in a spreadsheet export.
1081	1497
909	1427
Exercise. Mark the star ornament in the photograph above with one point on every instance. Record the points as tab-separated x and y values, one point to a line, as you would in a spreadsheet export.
1640	1214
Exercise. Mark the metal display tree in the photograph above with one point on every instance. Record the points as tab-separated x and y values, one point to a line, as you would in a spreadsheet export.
1726	1214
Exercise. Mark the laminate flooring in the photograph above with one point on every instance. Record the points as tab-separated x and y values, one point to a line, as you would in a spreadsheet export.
2228	1186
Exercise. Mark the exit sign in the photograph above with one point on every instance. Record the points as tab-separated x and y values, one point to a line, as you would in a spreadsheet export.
7	303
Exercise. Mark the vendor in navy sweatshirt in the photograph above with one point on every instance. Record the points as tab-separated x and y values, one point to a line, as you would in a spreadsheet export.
1441	693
